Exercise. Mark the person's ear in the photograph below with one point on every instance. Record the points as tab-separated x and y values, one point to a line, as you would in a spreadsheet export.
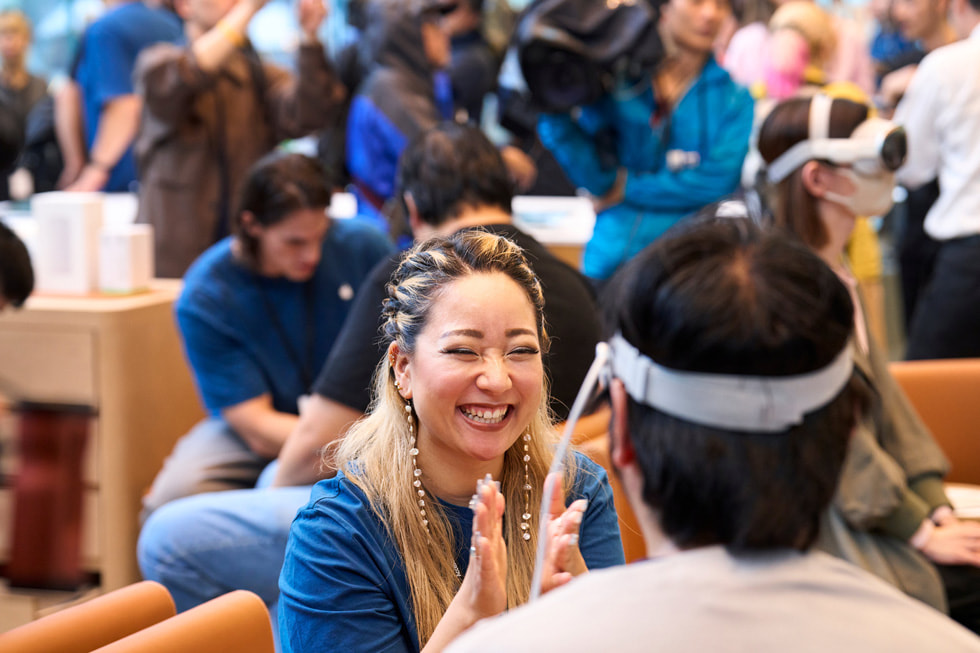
250	225
412	210
402	369
621	451
816	178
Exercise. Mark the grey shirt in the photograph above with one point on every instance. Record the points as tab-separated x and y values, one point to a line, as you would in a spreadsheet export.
708	600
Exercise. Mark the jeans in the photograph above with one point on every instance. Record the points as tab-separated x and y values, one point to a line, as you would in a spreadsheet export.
206	545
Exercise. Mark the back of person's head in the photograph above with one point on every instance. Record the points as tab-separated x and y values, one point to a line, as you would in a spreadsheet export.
794	208
813	23
275	187
16	273
451	168
722	297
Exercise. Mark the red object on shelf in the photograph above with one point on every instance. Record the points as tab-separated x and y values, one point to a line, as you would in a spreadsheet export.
48	491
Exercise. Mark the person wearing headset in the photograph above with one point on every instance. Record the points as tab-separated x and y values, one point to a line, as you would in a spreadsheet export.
733	394
829	161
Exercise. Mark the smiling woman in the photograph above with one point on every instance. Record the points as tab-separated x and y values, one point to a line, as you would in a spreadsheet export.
380	557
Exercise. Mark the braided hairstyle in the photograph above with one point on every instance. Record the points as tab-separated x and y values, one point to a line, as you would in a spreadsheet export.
375	452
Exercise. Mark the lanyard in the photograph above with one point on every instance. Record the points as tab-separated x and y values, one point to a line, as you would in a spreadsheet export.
303	362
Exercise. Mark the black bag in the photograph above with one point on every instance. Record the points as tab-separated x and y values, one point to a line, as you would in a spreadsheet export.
572	51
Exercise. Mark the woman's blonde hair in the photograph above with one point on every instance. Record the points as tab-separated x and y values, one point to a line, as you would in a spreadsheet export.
375	452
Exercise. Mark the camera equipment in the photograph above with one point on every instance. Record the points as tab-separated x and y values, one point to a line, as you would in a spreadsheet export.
875	146
572	51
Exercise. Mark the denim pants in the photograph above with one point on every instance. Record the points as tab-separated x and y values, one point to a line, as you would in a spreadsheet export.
206	545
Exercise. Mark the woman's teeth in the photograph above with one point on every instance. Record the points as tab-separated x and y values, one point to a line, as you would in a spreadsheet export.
488	416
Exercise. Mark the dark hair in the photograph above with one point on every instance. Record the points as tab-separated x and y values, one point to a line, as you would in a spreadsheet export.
752	11
452	167
274	187
722	296
793	208
16	273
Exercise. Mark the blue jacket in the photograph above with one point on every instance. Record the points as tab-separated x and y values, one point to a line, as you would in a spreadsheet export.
674	166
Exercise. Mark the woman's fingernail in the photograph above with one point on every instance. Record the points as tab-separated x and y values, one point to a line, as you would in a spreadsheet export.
573	539
577	518
585	505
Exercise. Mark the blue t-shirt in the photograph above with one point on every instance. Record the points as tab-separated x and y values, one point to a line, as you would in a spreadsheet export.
343	585
104	68
246	335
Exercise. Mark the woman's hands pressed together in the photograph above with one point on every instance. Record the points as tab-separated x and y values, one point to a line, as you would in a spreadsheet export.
483	592
485	583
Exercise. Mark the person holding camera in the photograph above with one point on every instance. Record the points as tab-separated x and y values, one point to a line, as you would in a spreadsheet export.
655	150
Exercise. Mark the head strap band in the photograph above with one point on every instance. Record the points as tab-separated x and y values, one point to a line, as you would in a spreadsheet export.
738	403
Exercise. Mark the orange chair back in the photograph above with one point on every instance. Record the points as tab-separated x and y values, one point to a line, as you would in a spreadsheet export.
95	623
237	621
591	437
946	394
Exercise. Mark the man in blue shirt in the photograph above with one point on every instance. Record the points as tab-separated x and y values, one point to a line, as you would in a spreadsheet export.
258	315
99	110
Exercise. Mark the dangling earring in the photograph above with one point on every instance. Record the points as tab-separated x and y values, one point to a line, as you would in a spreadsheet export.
525	525
416	472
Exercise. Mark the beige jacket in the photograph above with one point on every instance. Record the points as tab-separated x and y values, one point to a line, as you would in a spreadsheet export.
201	132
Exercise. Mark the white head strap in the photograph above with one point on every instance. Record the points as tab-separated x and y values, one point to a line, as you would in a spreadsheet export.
740	403
809	148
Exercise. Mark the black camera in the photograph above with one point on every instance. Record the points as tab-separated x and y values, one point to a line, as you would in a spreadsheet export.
572	51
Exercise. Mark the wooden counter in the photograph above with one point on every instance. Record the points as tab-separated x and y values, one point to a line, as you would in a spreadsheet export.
122	356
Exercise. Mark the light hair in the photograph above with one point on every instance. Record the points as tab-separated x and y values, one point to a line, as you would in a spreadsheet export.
17	17
375	452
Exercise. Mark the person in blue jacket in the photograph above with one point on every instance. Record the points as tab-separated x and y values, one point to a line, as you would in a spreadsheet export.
407	91
654	151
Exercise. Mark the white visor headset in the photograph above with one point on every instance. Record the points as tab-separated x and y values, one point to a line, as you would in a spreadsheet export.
875	146
768	404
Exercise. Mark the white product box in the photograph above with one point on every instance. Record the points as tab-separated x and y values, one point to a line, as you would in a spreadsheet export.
67	241
125	258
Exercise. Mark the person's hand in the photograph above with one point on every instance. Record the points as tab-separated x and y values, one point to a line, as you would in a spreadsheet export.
955	542
521	167
93	178
484	587
562	559
69	173
614	195
311	15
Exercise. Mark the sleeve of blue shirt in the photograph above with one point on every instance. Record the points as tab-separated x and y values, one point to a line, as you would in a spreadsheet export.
336	588
113	58
224	371
572	142
599	538
716	174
